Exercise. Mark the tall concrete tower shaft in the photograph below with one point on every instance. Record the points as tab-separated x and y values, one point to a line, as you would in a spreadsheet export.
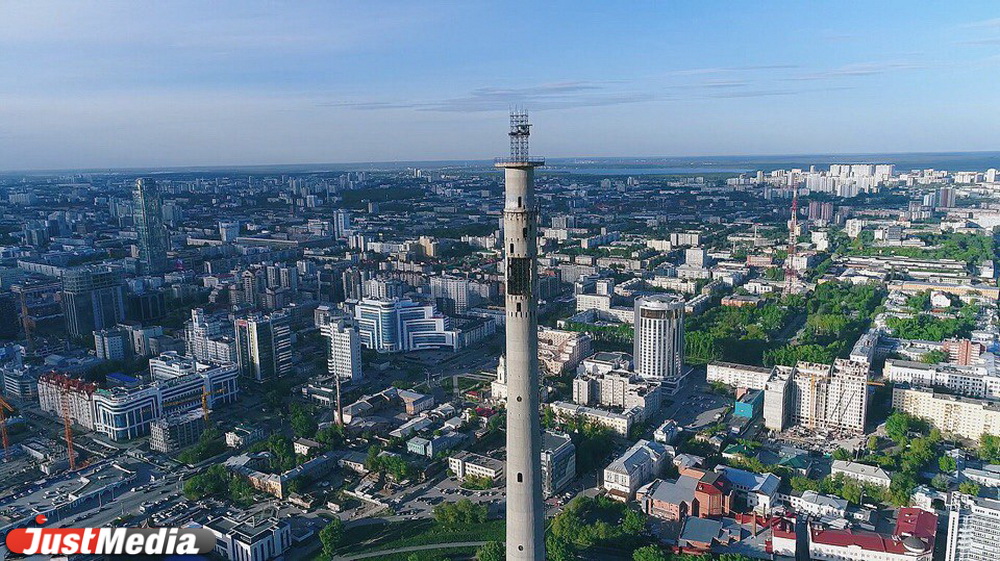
525	533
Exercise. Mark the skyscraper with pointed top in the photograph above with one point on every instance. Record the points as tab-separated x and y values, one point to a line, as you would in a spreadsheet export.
525	533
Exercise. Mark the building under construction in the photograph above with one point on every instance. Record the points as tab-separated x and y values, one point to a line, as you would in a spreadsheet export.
831	397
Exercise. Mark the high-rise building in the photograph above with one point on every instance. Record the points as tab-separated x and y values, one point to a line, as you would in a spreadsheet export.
342	223
283	276
973	528
93	298
343	358
818	396
264	346
112	344
353	280
659	340
382	289
946	197
209	338
229	231
525	535
452	294
147	215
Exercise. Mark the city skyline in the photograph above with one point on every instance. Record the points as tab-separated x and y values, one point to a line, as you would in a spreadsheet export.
104	86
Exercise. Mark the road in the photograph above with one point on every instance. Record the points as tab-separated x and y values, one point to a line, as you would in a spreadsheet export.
430	547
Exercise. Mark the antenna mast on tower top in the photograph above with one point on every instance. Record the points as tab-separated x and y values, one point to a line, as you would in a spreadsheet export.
520	130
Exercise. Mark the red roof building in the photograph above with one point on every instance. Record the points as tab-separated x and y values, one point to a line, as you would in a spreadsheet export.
913	540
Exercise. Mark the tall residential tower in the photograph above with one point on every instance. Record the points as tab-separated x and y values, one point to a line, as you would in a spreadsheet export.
147	215
659	340
525	535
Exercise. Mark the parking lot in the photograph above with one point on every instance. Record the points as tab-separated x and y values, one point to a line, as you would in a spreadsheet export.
701	409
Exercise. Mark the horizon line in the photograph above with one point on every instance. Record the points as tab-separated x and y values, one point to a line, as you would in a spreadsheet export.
484	161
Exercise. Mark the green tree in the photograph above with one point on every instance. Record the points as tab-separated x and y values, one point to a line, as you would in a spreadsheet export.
332	436
851	492
841	454
332	536
559	549
303	423
947	464
463	512
649	553
934	357
989	448
897	426
633	523
872	443
940	482
491	551
240	491
901	489
213	481
969	488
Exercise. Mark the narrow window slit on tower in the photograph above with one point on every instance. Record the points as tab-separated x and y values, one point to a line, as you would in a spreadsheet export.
520	478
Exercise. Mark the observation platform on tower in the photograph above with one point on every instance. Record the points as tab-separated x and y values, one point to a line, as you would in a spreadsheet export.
530	162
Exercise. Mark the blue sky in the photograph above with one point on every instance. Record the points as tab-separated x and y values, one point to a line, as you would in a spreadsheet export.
133	84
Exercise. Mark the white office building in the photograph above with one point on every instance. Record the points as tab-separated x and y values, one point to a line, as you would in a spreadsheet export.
252	539
398	325
343	352
973	529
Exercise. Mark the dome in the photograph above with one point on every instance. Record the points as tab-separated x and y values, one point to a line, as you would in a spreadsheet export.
914	544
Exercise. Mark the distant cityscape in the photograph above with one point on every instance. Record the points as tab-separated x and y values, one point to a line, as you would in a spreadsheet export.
792	363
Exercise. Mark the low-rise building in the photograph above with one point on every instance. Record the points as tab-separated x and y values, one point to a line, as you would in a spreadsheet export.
636	467
468	464
667	432
861	472
987	476
815	504
558	462
758	490
306	447
243	435
434	445
250	539
618	422
738	375
695	493
912	540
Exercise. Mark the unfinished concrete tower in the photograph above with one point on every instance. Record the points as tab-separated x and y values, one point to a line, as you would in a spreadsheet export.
525	534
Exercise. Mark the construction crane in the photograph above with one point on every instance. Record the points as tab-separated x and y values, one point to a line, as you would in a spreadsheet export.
4	407
203	398
67	427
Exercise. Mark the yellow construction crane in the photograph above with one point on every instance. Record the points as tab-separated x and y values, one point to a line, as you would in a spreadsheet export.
4	408
204	401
